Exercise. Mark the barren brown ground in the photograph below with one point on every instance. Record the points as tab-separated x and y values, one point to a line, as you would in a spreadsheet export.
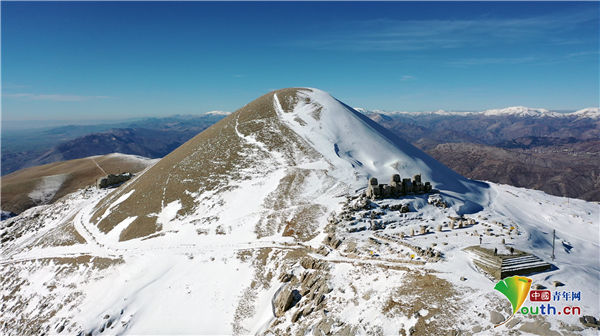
80	174
207	163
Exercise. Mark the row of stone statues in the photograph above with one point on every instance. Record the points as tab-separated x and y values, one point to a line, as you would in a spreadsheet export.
397	187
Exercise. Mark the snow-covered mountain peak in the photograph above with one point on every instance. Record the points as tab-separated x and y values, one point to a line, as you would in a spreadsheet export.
590	112
217	113
355	144
521	111
296	133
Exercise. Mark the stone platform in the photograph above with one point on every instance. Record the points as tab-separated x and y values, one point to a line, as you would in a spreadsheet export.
501	266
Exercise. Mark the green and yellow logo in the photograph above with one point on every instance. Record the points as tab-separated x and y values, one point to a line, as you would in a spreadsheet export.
516	289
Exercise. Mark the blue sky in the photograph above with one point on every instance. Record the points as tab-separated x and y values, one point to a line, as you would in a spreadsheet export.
108	60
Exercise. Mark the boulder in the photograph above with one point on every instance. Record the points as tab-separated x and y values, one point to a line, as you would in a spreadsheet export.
297	315
496	317
285	277
285	300
538	327
377	225
513	322
346	331
589	321
320	299
310	281
323	251
307	310
323	327
310	263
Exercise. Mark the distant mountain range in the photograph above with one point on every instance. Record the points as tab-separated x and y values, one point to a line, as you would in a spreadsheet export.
558	153
491	127
520	111
150	137
516	136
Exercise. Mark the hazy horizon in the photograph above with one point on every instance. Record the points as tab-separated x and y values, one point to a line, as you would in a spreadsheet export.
26	124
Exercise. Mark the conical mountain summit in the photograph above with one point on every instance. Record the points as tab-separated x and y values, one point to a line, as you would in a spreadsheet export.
283	157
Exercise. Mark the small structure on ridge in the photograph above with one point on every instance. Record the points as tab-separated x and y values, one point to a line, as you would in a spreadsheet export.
112	180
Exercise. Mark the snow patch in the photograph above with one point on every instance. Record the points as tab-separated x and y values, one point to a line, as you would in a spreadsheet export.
115	233
130	158
115	203
168	213
47	188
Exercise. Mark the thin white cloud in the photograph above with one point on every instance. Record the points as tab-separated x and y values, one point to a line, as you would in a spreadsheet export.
584	53
405	78
415	35
537	59
493	60
52	97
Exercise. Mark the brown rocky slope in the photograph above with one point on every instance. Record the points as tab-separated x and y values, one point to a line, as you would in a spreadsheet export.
44	184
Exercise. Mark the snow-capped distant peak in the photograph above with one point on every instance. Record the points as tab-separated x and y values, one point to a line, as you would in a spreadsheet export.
590	112
521	111
517	111
217	113
394	113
